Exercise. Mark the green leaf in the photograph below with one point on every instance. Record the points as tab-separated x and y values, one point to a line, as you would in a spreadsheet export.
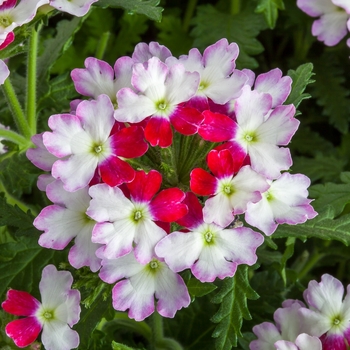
319	168
270	10
345	177
232	298
118	346
210	25
15	217
22	262
198	289
324	226
143	7
301	78
331	93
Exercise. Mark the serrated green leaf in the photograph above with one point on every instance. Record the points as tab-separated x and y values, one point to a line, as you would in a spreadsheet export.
323	226
301	78
22	262
336	195
198	289
345	177
14	216
118	346
232	298
270	10
210	25
331	93
143	7
319	168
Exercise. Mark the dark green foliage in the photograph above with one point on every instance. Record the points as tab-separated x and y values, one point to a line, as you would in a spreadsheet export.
232	298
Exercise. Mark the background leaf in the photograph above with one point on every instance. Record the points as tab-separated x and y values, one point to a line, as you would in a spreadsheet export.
270	10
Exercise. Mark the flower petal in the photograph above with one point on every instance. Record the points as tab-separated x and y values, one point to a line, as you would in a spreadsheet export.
20	303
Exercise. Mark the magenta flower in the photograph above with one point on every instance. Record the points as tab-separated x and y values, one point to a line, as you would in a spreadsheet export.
139	284
285	202
160	90
58	311
66	220
231	186
90	140
334	15
209	250
125	224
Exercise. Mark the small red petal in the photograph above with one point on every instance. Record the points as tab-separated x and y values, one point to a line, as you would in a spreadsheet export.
9	39
217	127
129	142
145	186
20	303
23	331
239	155
202	182
186	120
115	171
194	217
220	163
158	132
8	4
167	205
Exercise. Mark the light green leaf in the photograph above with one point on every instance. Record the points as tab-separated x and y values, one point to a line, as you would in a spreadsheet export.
198	289
118	346
270	10
211	25
143	7
301	78
232	298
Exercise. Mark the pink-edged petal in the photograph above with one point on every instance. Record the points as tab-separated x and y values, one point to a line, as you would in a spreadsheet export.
54	286
171	292
139	301
75	172
60	225
96	79
114	270
133	108
307	342
202	182
147	235
267	334
115	171
167	205
58	336
158	132
4	71
123	72
23	331
186	120
20	303
274	84
331	27
40	156
218	209
194	217
83	253
221	163
25	11
129	142
180	250
64	127
217	127
316	324
143	52
345	4
117	239
77	8
144	186
316	8
285	345
44	180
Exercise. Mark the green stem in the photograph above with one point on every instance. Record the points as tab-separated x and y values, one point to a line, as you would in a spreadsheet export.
102	45
31	80
16	109
235	7
157	329
169	165
315	257
14	137
191	5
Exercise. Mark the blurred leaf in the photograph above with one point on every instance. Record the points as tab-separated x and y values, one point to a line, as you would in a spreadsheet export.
319	168
301	78
198	289
143	7
210	25
232	298
118	346
331	93
270	10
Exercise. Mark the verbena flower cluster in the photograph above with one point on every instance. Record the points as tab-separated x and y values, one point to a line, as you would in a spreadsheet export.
134	224
333	22
323	323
